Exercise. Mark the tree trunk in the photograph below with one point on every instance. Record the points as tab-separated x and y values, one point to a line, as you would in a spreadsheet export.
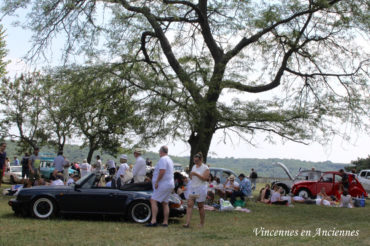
200	139
199	142
90	154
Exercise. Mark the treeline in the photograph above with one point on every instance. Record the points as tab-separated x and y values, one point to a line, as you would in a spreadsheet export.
264	167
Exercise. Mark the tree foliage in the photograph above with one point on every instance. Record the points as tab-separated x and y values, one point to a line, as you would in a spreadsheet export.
98	106
3	52
190	56
23	114
359	164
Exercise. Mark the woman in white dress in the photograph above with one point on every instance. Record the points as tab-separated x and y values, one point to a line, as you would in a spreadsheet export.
197	189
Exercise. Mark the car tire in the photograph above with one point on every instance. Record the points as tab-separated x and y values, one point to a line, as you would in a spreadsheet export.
304	193
140	212
43	208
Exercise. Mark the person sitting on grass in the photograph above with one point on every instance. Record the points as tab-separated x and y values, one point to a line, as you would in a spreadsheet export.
276	196
230	186
182	190
219	188
346	200
244	190
265	194
211	190
56	180
323	199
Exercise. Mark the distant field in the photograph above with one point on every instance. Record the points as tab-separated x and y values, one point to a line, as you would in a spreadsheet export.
222	228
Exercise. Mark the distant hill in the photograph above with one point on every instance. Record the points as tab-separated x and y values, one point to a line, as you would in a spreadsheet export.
264	167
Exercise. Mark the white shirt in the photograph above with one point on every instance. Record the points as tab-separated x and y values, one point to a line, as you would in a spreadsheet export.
122	170
167	181
228	186
85	169
196	181
139	167
98	165
70	181
111	164
275	196
56	182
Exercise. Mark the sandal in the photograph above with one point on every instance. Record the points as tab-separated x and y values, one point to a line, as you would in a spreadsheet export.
151	225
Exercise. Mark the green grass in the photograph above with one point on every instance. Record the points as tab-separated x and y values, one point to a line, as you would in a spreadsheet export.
222	228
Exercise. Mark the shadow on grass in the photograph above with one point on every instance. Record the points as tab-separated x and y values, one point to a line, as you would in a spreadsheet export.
83	217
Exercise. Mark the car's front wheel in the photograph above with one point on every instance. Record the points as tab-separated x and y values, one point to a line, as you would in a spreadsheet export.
140	212
43	208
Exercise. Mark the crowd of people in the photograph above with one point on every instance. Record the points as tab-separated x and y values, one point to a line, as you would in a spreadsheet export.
277	196
198	188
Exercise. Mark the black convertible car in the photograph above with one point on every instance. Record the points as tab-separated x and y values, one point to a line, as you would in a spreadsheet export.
87	197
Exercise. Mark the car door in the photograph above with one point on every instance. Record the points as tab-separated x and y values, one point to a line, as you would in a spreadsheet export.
326	181
104	200
90	198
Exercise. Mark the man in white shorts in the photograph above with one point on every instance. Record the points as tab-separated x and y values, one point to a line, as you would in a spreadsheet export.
163	185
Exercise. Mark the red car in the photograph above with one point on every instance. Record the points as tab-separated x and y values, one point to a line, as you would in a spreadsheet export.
332	182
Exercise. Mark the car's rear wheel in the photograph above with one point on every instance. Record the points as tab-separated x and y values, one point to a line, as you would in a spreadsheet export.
304	193
43	208
140	212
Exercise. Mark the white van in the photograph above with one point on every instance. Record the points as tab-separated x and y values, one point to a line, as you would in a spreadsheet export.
364	178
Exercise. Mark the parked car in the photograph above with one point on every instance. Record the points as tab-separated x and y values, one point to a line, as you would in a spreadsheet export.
177	168
364	178
13	175
47	168
312	175
87	197
223	174
332	182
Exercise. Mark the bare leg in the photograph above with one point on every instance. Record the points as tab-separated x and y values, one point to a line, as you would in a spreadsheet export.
189	211
166	212
153	204
202	213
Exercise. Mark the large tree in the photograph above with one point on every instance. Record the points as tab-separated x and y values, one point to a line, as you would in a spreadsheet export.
98	106
23	114
311	54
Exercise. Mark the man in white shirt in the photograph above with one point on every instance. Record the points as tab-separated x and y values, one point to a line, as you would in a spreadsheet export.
98	164
85	168
163	185
121	172
231	186
139	170
111	167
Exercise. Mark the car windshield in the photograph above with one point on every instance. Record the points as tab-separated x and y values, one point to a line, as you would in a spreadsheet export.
16	169
308	175
177	168
82	180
